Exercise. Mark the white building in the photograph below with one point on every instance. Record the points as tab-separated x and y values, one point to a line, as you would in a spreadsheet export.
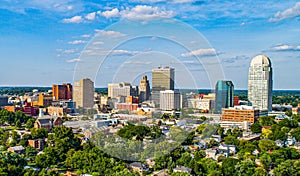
203	104
170	100
260	83
122	89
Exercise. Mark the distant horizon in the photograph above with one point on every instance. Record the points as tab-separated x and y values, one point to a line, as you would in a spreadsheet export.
175	88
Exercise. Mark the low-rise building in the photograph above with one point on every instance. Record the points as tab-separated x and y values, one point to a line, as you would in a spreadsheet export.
17	149
240	114
47	122
38	144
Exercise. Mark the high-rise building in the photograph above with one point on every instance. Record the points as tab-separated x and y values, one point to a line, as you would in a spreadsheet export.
123	89
162	79
62	92
144	89
170	100
260	83
224	95
83	93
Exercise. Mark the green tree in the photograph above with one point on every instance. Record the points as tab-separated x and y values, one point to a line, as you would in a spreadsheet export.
287	168
228	166
256	128
245	168
30	123
266	145
266	160
231	140
266	120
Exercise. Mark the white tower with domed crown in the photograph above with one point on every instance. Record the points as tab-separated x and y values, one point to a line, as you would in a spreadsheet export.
260	83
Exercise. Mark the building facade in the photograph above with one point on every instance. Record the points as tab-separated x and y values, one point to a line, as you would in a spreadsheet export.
62	92
260	83
240	114
170	100
144	89
162	79
83	93
224	95
123	89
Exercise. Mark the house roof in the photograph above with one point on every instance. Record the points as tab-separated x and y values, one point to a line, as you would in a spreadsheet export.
183	169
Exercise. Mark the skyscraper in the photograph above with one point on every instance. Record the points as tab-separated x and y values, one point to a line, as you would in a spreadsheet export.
62	92
260	83
162	79
83	93
144	89
224	95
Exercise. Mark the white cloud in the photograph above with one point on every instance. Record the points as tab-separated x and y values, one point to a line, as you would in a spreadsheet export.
75	19
91	16
76	42
143	12
98	43
286	14
85	36
286	48
99	52
182	1
113	34
69	51
110	13
73	60
200	52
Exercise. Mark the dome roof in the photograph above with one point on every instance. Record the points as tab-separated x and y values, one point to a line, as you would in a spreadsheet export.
261	60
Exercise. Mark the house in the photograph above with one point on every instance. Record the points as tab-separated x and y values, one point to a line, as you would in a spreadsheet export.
217	138
138	166
182	169
290	141
47	122
211	153
231	148
38	144
279	143
17	149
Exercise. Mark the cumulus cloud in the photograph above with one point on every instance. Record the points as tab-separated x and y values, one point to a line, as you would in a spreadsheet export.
76	42
91	16
75	19
113	34
143	12
287	14
139	12
110	13
200	52
286	48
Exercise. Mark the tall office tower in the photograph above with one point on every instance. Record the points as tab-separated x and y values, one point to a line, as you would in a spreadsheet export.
62	92
124	89
144	90
162	79
260	83
224	95
170	100
83	93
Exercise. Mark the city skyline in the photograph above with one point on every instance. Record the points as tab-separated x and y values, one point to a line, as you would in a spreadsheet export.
41	42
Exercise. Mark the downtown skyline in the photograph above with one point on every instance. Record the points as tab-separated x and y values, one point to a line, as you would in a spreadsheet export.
41	42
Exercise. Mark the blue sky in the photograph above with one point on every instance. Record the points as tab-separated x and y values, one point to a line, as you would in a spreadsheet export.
41	42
